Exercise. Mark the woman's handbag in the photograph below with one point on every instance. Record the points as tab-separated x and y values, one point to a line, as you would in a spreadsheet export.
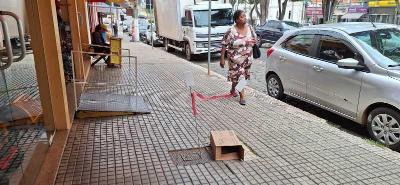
256	49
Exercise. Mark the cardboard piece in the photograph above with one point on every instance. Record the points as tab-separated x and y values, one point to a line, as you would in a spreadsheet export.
226	146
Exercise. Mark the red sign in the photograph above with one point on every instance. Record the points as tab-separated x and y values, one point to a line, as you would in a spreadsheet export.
313	11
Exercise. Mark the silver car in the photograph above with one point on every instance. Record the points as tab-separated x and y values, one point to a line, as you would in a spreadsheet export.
351	69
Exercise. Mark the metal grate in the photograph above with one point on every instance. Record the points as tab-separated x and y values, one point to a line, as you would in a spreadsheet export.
191	156
112	103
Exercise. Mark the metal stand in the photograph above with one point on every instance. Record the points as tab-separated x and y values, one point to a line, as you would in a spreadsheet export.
107	84
196	123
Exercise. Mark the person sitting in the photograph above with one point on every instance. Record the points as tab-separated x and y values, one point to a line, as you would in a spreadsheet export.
100	45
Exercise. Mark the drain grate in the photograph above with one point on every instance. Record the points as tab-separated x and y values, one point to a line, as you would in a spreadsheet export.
191	156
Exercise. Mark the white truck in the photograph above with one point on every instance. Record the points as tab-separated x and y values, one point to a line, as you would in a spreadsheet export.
183	25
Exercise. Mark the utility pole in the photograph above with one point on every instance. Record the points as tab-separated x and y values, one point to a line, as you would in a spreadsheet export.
151	24
209	37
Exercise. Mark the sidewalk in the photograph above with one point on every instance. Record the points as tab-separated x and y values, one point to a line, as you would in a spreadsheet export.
294	147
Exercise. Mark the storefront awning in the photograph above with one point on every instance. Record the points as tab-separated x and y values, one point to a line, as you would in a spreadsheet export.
352	15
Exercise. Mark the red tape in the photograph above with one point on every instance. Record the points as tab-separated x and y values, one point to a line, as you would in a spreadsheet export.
204	98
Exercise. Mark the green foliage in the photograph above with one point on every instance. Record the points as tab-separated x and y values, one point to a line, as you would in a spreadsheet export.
375	143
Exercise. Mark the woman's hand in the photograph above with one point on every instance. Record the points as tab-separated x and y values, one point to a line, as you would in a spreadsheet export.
222	63
222	60
250	41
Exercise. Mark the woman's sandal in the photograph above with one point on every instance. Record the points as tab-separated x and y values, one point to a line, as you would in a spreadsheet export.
242	102
234	93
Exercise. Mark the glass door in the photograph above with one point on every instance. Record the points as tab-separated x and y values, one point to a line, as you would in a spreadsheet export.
21	116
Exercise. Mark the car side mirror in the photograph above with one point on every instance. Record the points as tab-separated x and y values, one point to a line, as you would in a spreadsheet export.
350	63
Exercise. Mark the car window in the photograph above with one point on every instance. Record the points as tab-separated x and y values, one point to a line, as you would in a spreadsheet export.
301	44
272	24
332	49
289	24
364	36
388	42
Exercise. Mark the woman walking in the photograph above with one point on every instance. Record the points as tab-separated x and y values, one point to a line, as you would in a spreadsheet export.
238	45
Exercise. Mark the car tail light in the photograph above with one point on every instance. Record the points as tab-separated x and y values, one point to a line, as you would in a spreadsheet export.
270	51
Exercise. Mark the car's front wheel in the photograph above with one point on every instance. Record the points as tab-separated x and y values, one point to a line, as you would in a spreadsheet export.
384	127
274	86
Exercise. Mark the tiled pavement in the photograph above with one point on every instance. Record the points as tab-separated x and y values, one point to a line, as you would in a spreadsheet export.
294	147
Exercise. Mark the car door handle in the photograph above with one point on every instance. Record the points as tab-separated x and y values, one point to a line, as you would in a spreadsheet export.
318	68
282	59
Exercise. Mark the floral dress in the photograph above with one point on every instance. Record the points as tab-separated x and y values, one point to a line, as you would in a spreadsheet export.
239	53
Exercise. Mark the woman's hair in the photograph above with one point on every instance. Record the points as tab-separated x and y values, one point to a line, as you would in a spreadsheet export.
237	14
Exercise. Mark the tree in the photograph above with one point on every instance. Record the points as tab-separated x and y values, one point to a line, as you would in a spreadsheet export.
282	8
254	7
397	12
264	5
327	9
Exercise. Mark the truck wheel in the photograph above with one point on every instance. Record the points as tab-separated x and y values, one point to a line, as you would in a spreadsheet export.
384	127
188	52
167	48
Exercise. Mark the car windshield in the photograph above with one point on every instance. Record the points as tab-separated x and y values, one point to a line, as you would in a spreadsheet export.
220	17
289	24
384	41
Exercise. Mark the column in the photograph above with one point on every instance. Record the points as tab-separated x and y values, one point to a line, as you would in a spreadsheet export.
76	38
84	32
45	43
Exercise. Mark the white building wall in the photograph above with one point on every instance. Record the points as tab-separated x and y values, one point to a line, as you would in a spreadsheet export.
17	7
296	9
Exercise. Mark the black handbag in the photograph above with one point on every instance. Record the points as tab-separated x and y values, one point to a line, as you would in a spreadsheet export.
256	49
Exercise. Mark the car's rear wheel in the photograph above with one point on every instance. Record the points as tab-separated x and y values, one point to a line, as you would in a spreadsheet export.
274	86
384	127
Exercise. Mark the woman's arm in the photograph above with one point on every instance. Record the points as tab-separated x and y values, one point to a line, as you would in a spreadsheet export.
222	60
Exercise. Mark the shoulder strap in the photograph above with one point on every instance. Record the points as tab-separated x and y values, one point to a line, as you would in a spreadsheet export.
252	31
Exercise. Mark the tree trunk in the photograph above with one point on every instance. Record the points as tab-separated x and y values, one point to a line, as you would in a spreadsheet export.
282	9
397	12
233	2
251	14
264	5
257	10
327	9
279	8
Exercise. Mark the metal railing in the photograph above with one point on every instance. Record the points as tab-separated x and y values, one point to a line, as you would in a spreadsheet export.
10	55
79	81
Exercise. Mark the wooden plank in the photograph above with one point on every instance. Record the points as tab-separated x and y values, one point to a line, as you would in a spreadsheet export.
48	171
96	114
